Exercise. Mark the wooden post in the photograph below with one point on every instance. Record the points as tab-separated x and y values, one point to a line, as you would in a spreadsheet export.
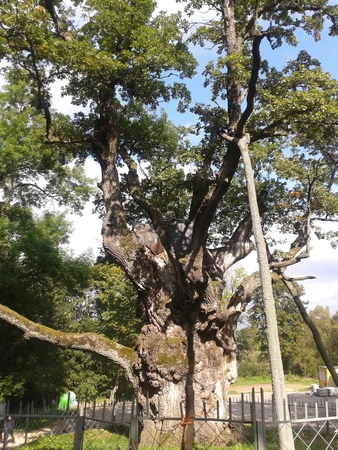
79	431
27	424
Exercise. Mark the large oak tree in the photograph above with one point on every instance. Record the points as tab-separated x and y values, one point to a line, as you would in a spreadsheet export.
177	232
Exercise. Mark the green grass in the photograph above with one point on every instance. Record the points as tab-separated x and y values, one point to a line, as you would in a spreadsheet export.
317	443
61	442
93	439
294	379
291	379
101	439
250	381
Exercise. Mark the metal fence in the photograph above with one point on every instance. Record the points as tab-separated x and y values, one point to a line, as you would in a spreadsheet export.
250	424
313	420
79	428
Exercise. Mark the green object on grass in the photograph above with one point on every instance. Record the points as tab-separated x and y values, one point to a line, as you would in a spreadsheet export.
67	400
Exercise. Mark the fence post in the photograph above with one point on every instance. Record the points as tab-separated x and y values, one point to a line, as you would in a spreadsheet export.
4	435
258	425
27	423
133	433
253	417
79	431
260	435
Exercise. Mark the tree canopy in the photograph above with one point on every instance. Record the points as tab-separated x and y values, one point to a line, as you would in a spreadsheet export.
175	213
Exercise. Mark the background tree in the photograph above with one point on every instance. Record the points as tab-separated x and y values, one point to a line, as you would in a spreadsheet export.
251	362
37	279
293	333
118	61
107	308
31	173
299	353
328	329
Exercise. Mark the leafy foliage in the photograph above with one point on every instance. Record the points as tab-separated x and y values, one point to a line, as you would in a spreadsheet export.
117	61
32	173
299	353
40	280
116	301
328	328
37	279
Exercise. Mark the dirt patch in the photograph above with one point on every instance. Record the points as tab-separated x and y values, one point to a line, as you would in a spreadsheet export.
22	438
267	388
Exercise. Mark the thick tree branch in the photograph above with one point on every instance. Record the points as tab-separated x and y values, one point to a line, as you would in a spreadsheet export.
237	121
43	102
256	63
208	207
104	146
59	26
242	296
137	194
299	248
94	343
289	261
239	245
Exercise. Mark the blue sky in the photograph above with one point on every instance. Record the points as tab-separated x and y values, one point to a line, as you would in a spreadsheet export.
323	261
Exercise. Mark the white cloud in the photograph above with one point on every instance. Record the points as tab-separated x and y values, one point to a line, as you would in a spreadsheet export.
87	228
61	102
169	6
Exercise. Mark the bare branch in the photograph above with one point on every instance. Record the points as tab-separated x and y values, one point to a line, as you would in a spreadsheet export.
289	262
292	279
242	296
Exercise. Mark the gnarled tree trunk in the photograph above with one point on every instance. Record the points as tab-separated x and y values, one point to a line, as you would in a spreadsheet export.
187	357
186	351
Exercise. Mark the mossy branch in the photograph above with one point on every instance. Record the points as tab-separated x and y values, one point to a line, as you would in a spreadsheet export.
120	355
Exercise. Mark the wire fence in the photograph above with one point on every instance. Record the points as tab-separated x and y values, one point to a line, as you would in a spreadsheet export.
250	424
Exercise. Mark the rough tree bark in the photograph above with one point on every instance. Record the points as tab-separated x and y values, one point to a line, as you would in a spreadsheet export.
186	349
